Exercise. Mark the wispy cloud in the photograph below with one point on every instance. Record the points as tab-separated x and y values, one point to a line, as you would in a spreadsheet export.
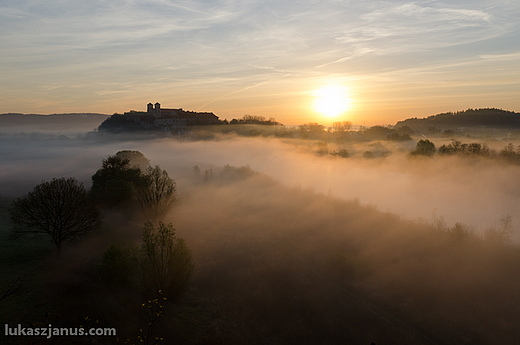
411	27
174	43
502	57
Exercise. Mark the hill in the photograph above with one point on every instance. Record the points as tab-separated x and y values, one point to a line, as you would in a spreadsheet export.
488	117
74	122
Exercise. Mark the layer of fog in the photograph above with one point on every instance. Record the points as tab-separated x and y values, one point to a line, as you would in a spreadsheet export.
49	126
473	191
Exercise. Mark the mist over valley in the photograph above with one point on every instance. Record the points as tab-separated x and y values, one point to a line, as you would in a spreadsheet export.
393	181
294	239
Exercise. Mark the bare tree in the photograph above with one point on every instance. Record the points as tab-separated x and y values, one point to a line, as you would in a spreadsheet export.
166	261
159	195
502	233
59	209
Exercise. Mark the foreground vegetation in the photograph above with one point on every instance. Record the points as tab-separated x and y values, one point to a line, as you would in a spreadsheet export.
62	211
272	265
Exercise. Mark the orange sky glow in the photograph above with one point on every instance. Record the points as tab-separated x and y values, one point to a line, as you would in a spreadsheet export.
397	59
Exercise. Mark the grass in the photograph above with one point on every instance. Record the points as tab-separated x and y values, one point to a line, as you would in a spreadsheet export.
23	258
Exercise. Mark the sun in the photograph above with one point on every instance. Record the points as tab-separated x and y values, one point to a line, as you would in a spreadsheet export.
332	100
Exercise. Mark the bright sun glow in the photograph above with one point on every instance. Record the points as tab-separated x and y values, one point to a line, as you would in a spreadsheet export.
332	100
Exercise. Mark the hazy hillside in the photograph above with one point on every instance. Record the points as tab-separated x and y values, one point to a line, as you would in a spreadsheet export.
55	123
489	117
291	245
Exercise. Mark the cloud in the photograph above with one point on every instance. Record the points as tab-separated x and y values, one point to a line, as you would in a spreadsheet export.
427	14
502	57
12	13
170	44
399	28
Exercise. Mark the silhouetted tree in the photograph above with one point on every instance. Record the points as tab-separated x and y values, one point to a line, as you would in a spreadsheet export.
232	173
503	233
117	181
459	232
455	147
313	130
322	148
59	209
508	153
473	149
137	159
208	175
159	194
368	154
166	261
342	126
424	147
341	153
196	172
254	120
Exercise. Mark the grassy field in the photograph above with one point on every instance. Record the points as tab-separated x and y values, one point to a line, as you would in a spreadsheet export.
24	259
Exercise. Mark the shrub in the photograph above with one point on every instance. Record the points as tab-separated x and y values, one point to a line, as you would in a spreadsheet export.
166	261
459	232
117	267
424	147
368	154
341	153
503	233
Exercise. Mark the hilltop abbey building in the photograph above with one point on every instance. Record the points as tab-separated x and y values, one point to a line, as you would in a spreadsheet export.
174	118
179	117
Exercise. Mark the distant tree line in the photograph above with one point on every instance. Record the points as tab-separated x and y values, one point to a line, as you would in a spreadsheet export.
342	131
253	120
386	133
509	153
488	117
462	149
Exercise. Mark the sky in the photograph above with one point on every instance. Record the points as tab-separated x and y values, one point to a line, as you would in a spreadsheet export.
389	60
